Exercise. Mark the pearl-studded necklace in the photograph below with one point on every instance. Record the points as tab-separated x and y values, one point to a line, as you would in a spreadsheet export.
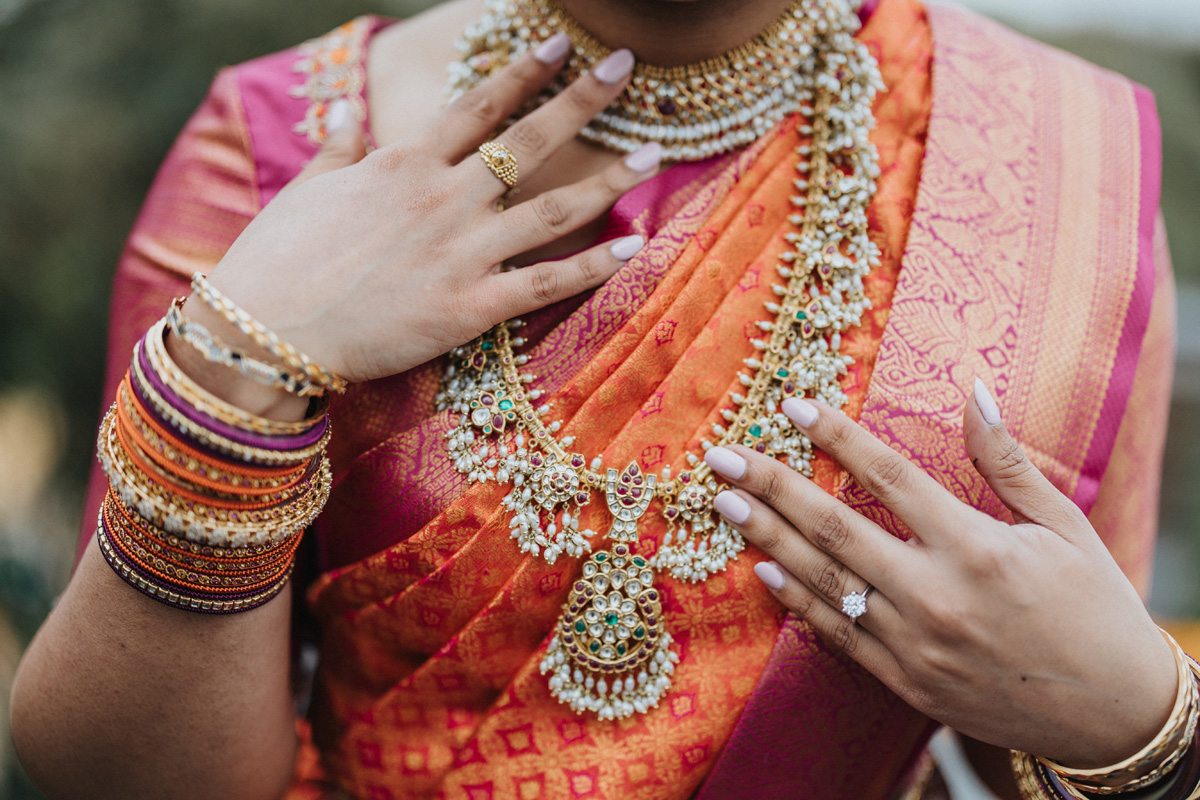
694	111
611	653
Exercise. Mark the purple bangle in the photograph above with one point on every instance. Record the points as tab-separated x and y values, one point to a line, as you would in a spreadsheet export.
297	442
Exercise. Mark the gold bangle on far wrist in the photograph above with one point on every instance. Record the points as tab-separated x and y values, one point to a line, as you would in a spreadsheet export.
1153	762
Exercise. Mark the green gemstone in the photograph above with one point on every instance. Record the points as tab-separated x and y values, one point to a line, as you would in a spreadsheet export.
639	633
782	372
756	431
641	562
602	556
621	649
580	626
612	618
801	315
506	405
487	345
594	647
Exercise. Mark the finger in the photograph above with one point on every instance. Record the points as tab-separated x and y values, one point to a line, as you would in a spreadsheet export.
920	502
534	138
520	291
1001	462
343	144
832	625
829	524
822	574
472	118
555	213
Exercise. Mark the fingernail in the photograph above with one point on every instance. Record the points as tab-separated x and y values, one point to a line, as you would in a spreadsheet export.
732	507
801	412
337	115
615	67
627	247
726	462
769	573
986	403
553	49
645	158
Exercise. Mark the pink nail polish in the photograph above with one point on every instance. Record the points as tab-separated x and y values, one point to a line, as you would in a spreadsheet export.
627	247
801	412
986	403
769	573
726	462
732	507
645	158
615	67
553	49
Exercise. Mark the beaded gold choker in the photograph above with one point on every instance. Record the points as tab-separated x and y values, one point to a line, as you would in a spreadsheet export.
694	110
610	653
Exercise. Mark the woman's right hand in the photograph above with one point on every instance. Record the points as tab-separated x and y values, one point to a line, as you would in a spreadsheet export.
373	268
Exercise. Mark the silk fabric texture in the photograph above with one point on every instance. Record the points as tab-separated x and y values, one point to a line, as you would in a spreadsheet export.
1019	244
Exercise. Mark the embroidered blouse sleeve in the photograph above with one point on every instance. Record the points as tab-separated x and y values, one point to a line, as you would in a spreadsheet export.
205	193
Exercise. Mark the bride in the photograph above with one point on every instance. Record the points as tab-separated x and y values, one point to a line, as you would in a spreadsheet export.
642	423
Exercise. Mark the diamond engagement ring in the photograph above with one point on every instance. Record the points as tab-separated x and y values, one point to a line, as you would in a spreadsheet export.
854	605
501	161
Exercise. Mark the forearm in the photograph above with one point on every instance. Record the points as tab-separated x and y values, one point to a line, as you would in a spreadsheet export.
120	696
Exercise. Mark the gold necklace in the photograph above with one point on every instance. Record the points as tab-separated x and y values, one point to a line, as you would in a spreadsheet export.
610	653
694	110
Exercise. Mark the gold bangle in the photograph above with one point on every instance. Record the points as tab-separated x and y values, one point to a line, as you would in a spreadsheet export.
215	351
1026	772
204	401
183	602
200	523
1154	761
265	338
264	489
228	447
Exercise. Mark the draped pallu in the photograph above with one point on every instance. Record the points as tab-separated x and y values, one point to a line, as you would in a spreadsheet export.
1016	216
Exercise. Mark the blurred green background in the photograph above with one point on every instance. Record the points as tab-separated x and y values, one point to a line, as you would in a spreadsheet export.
94	91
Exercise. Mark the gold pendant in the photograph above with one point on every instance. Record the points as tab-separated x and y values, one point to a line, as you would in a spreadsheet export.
610	653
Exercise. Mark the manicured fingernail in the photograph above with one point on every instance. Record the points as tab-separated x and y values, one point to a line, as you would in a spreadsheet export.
987	404
645	158
337	116
615	67
553	49
801	412
726	462
732	507
769	573
627	247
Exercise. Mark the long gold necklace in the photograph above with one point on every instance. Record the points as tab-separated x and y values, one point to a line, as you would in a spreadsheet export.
610	653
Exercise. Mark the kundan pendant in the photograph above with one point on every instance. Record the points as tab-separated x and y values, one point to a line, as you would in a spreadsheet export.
610	653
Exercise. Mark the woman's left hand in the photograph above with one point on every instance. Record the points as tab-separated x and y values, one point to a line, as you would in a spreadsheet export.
1026	636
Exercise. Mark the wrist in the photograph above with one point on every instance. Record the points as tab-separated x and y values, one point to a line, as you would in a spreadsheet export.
227	384
1161	751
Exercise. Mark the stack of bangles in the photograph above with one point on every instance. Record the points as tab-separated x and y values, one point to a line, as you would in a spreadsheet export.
207	502
1168	768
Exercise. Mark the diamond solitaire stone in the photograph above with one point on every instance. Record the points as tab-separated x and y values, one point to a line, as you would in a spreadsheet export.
854	605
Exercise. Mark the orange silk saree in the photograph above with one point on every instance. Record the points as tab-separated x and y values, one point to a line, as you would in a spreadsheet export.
1016	217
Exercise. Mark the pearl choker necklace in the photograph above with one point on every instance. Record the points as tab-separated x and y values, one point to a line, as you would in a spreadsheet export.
694	111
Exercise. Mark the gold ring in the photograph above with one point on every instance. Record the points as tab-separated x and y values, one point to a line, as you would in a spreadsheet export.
501	161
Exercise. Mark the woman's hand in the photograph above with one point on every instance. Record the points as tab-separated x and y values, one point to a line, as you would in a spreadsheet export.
1026	636
373	268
